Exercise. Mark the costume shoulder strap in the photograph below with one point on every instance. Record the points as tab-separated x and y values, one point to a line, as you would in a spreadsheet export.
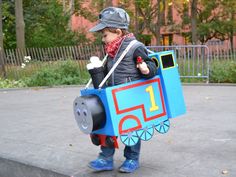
118	61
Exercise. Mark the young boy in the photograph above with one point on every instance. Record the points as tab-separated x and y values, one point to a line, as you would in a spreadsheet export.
113	24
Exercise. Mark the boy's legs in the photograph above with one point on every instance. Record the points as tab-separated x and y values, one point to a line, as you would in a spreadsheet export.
131	154
104	160
107	153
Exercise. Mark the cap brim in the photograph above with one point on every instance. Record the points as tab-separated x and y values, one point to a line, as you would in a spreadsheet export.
98	27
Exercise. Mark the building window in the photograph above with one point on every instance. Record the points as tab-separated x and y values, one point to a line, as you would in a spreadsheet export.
167	39
187	39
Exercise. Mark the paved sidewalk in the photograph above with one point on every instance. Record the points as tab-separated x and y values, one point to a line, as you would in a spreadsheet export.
39	137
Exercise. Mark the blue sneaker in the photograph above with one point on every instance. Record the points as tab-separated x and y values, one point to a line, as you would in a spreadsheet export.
101	165
129	166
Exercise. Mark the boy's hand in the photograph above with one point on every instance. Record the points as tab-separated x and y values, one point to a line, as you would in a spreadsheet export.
142	66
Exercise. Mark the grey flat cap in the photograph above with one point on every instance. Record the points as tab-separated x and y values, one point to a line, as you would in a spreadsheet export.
112	17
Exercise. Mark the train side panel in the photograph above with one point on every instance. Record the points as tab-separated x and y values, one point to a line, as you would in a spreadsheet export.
137	104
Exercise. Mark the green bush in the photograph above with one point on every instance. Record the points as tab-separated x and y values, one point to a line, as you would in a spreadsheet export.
63	73
223	71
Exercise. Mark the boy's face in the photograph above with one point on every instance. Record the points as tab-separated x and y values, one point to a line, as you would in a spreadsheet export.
108	36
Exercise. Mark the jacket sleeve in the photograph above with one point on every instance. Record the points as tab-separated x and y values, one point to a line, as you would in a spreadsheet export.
142	52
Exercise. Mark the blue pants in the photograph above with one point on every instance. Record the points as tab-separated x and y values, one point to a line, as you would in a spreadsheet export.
130	152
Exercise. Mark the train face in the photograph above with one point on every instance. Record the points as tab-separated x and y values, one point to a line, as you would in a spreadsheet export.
135	109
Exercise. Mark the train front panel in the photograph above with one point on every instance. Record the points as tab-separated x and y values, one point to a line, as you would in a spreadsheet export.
170	79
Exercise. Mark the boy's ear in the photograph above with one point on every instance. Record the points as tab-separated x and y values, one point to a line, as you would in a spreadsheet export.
119	32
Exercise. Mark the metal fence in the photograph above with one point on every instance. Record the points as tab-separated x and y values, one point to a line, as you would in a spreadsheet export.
218	52
12	60
193	60
16	56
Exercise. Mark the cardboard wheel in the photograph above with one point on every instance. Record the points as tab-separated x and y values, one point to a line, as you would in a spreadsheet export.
163	127
130	138
145	133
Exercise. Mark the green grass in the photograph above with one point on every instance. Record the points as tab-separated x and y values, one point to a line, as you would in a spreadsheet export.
17	72
192	67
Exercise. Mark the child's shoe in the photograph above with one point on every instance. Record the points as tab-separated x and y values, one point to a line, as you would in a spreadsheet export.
101	165
129	166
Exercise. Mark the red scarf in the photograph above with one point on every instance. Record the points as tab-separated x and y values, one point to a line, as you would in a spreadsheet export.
112	47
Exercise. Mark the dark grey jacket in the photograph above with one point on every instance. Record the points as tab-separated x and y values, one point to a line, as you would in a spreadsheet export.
127	71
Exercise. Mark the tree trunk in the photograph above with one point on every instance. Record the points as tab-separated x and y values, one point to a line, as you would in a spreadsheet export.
194	21
159	22
1	32
231	38
20	25
136	20
72	9
232	31
64	6
2	68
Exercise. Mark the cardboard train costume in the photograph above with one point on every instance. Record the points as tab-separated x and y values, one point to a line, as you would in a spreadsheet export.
133	110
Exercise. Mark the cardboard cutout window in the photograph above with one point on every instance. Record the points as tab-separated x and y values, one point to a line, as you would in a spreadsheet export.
167	61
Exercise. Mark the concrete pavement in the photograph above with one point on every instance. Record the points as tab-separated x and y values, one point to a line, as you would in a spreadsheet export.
39	137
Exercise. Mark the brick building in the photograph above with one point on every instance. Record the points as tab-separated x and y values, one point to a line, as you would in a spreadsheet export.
170	35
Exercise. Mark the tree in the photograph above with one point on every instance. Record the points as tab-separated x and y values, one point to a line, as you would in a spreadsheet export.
91	11
228	19
8	21
20	25
210	20
75	7
47	25
151	16
207	20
